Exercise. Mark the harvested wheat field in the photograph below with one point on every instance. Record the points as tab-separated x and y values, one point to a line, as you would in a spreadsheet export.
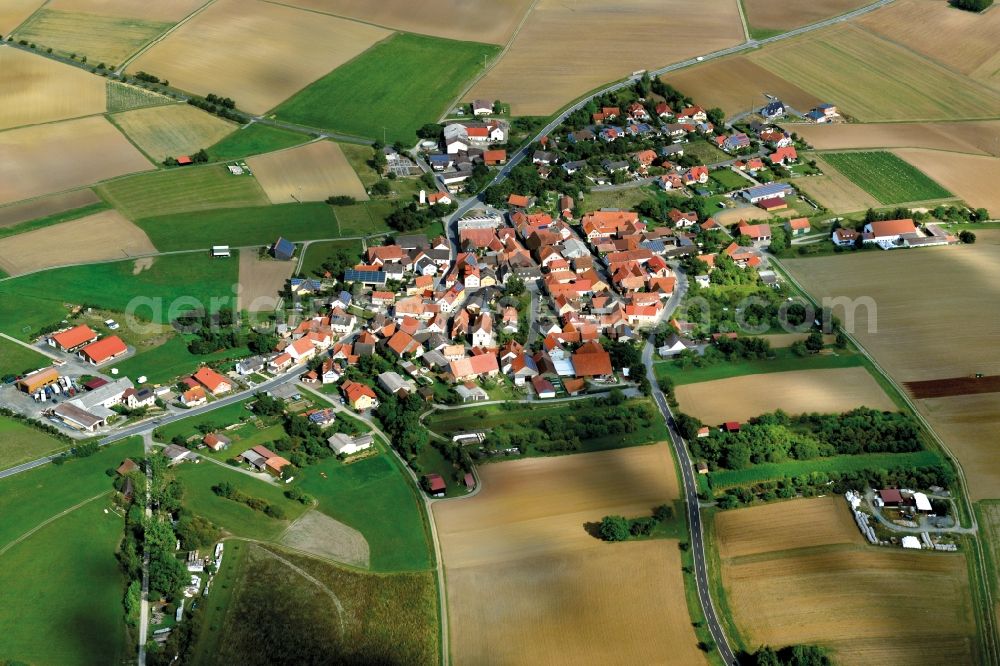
171	11
975	136
867	605
800	523
172	130
737	84
45	206
834	190
312	172
40	90
490	21
104	235
964	41
15	12
796	392
780	16
905	333
107	39
251	51
734	215
565	49
974	178
872	79
321	535
50	158
261	280
528	584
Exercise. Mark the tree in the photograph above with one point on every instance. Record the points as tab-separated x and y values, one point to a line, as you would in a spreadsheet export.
814	342
429	131
972	5
614	528
381	188
967	237
716	116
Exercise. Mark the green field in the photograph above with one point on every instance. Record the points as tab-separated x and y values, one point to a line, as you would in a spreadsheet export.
64	589
317	253
886	177
275	614
254	139
217	418
375	497
706	152
235	518
358	156
16	360
213	615
364	218
30	498
401	83
173	282
20	443
729	180
163	363
260	225
844	463
55	218
625	199
180	190
784	361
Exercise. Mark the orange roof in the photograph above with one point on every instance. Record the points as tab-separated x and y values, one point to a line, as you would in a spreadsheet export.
277	463
104	349
591	363
75	336
196	393
518	200
893	227
494	155
356	390
210	379
799	223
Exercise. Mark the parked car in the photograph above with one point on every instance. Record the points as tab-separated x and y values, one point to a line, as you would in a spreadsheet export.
111	324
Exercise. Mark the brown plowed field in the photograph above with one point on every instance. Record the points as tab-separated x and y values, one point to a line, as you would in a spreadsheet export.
527	584
57	203
50	158
261	280
974	136
780	15
312	172
972	177
490	21
39	90
104	235
835	190
801	523
734	215
253	51
942	388
566	49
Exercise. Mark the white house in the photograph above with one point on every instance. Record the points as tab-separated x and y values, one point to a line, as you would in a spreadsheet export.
346	445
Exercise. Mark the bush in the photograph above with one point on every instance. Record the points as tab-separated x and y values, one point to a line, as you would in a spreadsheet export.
972	5
614	528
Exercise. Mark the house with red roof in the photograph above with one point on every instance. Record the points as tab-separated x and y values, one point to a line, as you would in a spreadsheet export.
784	155
757	232
888	234
590	361
213	382
798	226
474	367
359	396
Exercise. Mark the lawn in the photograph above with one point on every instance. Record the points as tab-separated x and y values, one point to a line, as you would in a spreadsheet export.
705	152
254	139
375	497
364	218
213	614
235	518
217	418
843	463
729	180
55	218
180	190
163	363
260	225
784	361
317	253
625	199
64	590
20	443
16	360
391	89
173	284
31	497
886	177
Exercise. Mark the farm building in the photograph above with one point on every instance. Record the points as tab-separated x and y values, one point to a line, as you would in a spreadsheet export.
768	191
543	387
38	379
128	465
76	418
103	350
72	338
435	484
469	392
922	503
283	249
890	497
346	445
215	441
176	454
910	543
756	232
798	226
774	203
887	234
220	251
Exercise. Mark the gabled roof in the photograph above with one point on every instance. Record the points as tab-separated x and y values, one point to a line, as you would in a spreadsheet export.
104	349
209	378
74	337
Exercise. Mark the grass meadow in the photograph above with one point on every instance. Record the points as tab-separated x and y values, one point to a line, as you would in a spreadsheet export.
317	253
259	225
217	418
15	359
20	443
784	361
172	359
400	83
886	177
254	139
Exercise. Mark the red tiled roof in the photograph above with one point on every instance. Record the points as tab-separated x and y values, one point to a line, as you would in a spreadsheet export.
74	337
210	379
104	349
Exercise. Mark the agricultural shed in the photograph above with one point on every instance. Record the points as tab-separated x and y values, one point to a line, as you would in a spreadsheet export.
891	497
911	542
283	249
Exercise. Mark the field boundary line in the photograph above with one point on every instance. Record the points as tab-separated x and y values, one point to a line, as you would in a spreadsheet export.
52	519
315	581
31	347
151	44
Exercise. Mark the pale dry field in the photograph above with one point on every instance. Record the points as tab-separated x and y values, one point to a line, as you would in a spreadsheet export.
40	90
312	172
566	48
172	130
990	513
45	206
964	41
905	333
44	159
872	79
107	39
253	51
490	21
104	235
737	84
780	15
15	12
796	392
528	584
321	535
170	12
975	136
260	281
835	190
800	523
734	215
867	605
974	178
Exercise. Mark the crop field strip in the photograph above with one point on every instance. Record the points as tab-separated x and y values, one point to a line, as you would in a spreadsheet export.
172	130
312	172
55	204
972	136
254	139
971	177
886	177
15	12
943	388
40	90
170	12
777	16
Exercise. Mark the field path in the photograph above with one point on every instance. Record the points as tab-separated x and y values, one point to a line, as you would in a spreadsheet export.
49	520
314	581
31	347
121	67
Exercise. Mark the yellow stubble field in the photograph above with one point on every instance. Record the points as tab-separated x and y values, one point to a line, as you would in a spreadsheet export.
311	172
834	190
972	177
255	52
40	90
172	129
44	159
565	49
102	38
527	584
167	11
15	12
